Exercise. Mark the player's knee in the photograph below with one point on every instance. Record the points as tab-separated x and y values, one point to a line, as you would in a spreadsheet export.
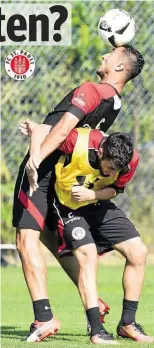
26	241
143	253
86	254
18	241
138	254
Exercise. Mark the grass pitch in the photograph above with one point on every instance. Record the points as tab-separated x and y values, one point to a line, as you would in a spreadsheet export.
17	312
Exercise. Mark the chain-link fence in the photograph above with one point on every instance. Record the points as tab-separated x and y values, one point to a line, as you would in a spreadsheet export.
59	69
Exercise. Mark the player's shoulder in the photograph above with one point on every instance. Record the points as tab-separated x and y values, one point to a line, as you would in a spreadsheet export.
89	85
87	89
106	90
96	136
135	159
68	144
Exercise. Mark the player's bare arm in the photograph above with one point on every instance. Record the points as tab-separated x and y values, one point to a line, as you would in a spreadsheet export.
26	127
58	134
37	133
50	142
37	137
81	194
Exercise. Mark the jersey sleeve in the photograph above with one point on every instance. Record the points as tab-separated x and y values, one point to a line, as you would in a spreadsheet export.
69	143
124	178
85	99
52	118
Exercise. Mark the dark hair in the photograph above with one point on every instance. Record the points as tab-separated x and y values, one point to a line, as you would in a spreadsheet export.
118	147
136	61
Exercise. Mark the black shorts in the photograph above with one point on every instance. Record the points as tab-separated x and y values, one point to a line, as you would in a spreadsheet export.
103	224
31	212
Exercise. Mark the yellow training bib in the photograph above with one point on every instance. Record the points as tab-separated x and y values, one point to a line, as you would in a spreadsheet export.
68	176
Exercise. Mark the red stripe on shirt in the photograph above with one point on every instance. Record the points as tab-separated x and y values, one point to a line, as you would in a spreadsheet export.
60	229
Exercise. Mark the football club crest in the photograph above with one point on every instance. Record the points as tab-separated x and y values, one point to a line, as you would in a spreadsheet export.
19	65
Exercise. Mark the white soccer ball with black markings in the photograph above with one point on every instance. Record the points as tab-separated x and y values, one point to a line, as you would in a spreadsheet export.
116	27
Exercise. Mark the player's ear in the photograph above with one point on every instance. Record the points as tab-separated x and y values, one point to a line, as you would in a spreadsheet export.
100	152
119	67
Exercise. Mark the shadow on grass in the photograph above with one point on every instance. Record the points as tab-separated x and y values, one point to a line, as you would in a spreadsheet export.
14	332
8	331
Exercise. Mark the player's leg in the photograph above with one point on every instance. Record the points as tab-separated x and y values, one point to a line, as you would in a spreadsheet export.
87	258
118	232
29	215
74	235
69	264
135	253
28	218
34	268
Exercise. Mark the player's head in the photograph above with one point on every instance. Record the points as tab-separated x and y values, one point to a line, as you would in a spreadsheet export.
125	61
115	153
133	62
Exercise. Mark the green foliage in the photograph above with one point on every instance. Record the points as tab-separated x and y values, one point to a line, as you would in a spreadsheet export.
7	186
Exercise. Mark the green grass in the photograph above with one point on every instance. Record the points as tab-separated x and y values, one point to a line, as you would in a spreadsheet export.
17	312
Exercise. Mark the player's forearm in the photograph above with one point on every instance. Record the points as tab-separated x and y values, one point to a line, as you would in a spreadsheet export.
37	137
58	134
105	193
81	193
51	143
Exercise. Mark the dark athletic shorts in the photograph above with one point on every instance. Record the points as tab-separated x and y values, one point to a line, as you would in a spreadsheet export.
31	212
103	224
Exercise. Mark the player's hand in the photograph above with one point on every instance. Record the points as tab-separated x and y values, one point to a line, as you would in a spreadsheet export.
27	126
81	194
33	184
32	175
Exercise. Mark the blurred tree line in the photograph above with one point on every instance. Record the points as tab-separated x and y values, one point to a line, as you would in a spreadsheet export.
59	69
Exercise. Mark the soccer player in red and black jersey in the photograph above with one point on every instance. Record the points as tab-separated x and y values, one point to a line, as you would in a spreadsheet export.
90	105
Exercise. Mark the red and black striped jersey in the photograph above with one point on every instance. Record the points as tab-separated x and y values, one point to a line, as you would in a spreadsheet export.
95	138
96	105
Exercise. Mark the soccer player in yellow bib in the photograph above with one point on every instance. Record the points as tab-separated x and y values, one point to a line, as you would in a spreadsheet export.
92	169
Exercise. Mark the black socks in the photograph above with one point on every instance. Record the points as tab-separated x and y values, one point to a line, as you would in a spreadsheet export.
129	311
42	310
93	316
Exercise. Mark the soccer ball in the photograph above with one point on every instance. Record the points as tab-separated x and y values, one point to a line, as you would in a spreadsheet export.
116	27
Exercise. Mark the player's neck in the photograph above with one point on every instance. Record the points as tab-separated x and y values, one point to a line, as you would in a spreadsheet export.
113	81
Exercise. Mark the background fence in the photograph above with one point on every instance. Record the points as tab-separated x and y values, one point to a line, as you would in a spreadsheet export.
59	69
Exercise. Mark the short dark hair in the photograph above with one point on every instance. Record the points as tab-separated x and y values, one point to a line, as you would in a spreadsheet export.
118	147
136	61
